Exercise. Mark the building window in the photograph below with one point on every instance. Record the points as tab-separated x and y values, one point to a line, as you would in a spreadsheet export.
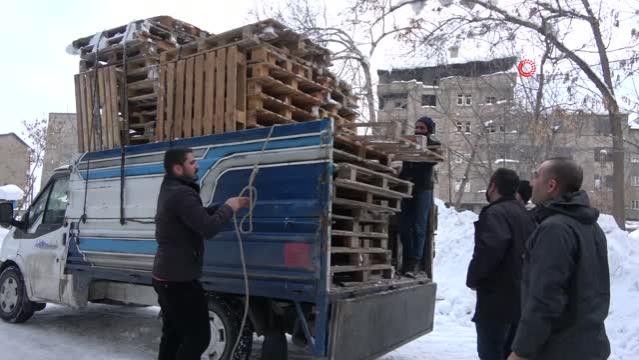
460	127
502	128
491	128
491	100
634	158
381	103
464	99
458	184
604	182
635	204
400	105
468	127
460	99
469	100
634	181
429	100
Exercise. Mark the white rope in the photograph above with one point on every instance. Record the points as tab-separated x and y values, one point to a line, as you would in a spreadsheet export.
240	230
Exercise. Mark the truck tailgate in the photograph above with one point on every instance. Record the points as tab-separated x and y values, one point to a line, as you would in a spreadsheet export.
369	326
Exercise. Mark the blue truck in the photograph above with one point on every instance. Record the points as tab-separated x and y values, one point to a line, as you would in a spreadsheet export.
89	237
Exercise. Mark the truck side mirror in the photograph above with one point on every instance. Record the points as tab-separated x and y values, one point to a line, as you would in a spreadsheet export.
6	213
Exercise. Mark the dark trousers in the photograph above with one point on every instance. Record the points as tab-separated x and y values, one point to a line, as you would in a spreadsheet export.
186	332
494	339
413	222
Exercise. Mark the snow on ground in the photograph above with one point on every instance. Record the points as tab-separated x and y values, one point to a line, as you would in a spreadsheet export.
114	333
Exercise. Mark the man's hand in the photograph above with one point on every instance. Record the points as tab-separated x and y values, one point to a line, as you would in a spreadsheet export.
237	203
514	356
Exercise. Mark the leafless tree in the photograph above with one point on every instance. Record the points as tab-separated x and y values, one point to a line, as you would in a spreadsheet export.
580	33
35	132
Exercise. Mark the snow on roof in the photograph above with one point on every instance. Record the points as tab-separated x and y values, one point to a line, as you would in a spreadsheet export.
503	161
11	192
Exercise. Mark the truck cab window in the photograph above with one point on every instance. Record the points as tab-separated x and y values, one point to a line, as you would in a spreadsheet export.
57	205
37	208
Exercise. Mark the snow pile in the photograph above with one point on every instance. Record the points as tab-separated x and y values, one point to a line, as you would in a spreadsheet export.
11	192
456	303
454	248
621	325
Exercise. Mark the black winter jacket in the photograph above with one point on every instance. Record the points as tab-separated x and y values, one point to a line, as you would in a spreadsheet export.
566	284
495	269
182	224
420	173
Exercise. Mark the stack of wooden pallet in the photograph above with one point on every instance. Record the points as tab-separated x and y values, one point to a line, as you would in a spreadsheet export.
261	75
117	87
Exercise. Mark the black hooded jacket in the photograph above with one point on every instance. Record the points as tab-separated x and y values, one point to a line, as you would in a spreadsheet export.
182	224
565	285
495	269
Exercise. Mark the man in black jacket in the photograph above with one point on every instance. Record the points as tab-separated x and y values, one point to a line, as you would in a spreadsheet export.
566	282
414	216
495	269
182	224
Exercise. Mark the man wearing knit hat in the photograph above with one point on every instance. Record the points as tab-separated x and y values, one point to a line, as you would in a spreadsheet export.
415	211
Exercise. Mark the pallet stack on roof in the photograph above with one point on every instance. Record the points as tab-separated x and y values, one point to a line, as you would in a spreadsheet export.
192	83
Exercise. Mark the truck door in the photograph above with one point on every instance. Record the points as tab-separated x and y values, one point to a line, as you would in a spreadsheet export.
43	242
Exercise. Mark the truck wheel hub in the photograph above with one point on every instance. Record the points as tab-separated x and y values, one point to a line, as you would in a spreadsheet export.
9	294
218	338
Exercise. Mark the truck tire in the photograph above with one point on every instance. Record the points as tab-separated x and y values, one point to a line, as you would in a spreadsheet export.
15	307
225	321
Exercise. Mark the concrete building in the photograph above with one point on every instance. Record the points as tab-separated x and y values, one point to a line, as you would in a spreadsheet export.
62	143
484	127
14	160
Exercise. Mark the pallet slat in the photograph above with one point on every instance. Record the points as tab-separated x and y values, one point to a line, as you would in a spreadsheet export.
198	108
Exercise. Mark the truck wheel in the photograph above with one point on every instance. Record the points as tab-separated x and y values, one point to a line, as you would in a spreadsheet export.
225	321
14	305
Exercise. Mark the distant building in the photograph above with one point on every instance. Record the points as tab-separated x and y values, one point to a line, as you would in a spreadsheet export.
62	143
14	159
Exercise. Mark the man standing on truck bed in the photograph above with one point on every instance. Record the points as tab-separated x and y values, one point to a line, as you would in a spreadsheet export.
566	280
495	269
182	224
414	216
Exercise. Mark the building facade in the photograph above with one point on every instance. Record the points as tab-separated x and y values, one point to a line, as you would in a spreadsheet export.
62	143
14	157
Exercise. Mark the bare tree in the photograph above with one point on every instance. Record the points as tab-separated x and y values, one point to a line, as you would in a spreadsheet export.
35	131
580	33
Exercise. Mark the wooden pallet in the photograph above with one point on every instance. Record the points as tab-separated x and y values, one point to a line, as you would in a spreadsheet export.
213	88
97	107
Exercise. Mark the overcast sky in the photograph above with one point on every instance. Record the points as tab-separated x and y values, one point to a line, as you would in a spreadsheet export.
37	73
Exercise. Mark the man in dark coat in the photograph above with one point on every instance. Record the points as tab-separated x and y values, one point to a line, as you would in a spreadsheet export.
415	210
566	282
495	269
182	224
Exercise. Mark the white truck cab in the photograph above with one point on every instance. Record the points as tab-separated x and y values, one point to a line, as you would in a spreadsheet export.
33	253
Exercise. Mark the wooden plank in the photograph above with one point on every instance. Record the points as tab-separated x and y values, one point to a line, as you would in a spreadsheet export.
220	65
363	205
90	120
231	89
209	93
371	235
346	250
198	108
179	99
159	125
241	92
103	138
340	269
359	186
106	109
187	127
170	102
115	119
78	113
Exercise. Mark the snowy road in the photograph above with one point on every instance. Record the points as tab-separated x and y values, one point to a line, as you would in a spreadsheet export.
119	333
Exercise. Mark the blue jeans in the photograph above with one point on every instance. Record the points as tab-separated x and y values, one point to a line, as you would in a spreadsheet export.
494	339
413	222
